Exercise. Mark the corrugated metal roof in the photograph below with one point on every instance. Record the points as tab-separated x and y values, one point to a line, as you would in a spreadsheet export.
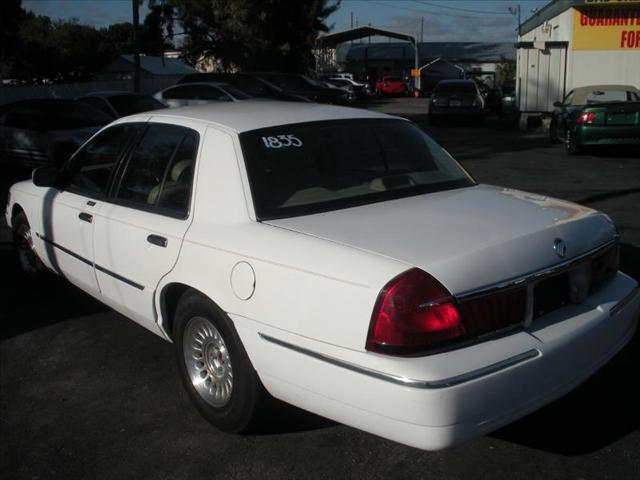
162	65
451	51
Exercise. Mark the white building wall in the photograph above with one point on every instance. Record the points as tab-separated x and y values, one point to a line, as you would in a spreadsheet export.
605	67
540	72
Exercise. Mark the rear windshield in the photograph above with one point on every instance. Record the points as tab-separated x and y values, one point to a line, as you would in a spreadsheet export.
602	96
392	79
455	87
130	104
306	168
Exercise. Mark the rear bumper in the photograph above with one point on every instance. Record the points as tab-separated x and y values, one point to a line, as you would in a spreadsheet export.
437	401
595	135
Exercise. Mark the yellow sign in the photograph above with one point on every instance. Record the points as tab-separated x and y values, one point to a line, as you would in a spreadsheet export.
606	28
415	72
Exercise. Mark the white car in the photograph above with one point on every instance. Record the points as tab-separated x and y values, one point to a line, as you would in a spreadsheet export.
199	93
336	259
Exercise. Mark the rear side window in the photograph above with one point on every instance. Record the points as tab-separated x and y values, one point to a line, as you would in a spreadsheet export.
158	175
91	168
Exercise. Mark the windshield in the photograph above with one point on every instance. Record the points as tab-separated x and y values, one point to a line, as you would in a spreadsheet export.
130	104
314	167
455	87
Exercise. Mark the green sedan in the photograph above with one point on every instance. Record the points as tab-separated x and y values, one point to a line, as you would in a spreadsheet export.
597	115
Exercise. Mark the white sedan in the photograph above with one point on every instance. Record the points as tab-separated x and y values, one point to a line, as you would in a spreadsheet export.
334	258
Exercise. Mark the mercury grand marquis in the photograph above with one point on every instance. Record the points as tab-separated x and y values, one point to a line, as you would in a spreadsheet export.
336	259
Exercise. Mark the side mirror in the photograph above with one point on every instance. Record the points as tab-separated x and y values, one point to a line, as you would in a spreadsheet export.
557	104
46	176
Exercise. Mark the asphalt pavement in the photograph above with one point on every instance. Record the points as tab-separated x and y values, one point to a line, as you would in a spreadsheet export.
86	393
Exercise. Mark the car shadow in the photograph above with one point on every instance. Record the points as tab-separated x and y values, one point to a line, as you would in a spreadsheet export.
29	305
599	412
277	418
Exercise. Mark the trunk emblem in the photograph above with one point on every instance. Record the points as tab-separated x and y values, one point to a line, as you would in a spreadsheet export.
560	247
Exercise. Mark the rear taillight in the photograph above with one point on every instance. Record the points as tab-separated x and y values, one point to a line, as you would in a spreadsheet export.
413	312
585	118
494	312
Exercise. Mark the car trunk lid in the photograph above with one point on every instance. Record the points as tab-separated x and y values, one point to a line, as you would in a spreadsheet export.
467	238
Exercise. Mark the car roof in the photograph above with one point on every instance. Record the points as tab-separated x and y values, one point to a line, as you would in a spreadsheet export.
255	114
207	83
112	93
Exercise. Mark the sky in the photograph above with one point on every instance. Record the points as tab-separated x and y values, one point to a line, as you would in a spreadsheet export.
444	20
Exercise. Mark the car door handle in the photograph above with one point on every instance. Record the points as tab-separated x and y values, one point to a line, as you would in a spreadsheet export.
85	217
157	240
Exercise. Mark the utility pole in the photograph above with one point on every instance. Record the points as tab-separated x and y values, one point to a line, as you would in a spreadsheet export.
352	20
421	29
136	46
516	11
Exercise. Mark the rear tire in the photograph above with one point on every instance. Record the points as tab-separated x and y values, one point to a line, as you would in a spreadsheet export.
214	366
571	144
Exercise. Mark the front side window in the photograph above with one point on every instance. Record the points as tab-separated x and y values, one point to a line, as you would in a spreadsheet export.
159	172
90	170
320	166
568	99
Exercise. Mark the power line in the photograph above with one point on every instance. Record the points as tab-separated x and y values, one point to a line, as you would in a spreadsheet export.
421	2
399	7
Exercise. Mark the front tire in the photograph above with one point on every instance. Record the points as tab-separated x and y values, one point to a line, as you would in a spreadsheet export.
214	366
28	259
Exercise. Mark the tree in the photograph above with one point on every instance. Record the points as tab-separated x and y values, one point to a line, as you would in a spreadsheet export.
153	40
36	49
11	15
505	70
250	35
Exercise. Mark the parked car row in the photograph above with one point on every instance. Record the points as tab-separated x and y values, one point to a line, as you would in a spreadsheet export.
48	131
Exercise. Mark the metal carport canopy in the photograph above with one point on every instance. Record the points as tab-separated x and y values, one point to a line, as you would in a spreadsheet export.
334	39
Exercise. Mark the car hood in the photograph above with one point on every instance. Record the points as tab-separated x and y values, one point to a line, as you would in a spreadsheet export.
467	238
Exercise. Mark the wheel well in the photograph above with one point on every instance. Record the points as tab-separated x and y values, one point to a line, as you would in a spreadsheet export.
15	211
169	303
169	299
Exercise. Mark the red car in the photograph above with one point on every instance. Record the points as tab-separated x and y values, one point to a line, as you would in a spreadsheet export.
392	86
